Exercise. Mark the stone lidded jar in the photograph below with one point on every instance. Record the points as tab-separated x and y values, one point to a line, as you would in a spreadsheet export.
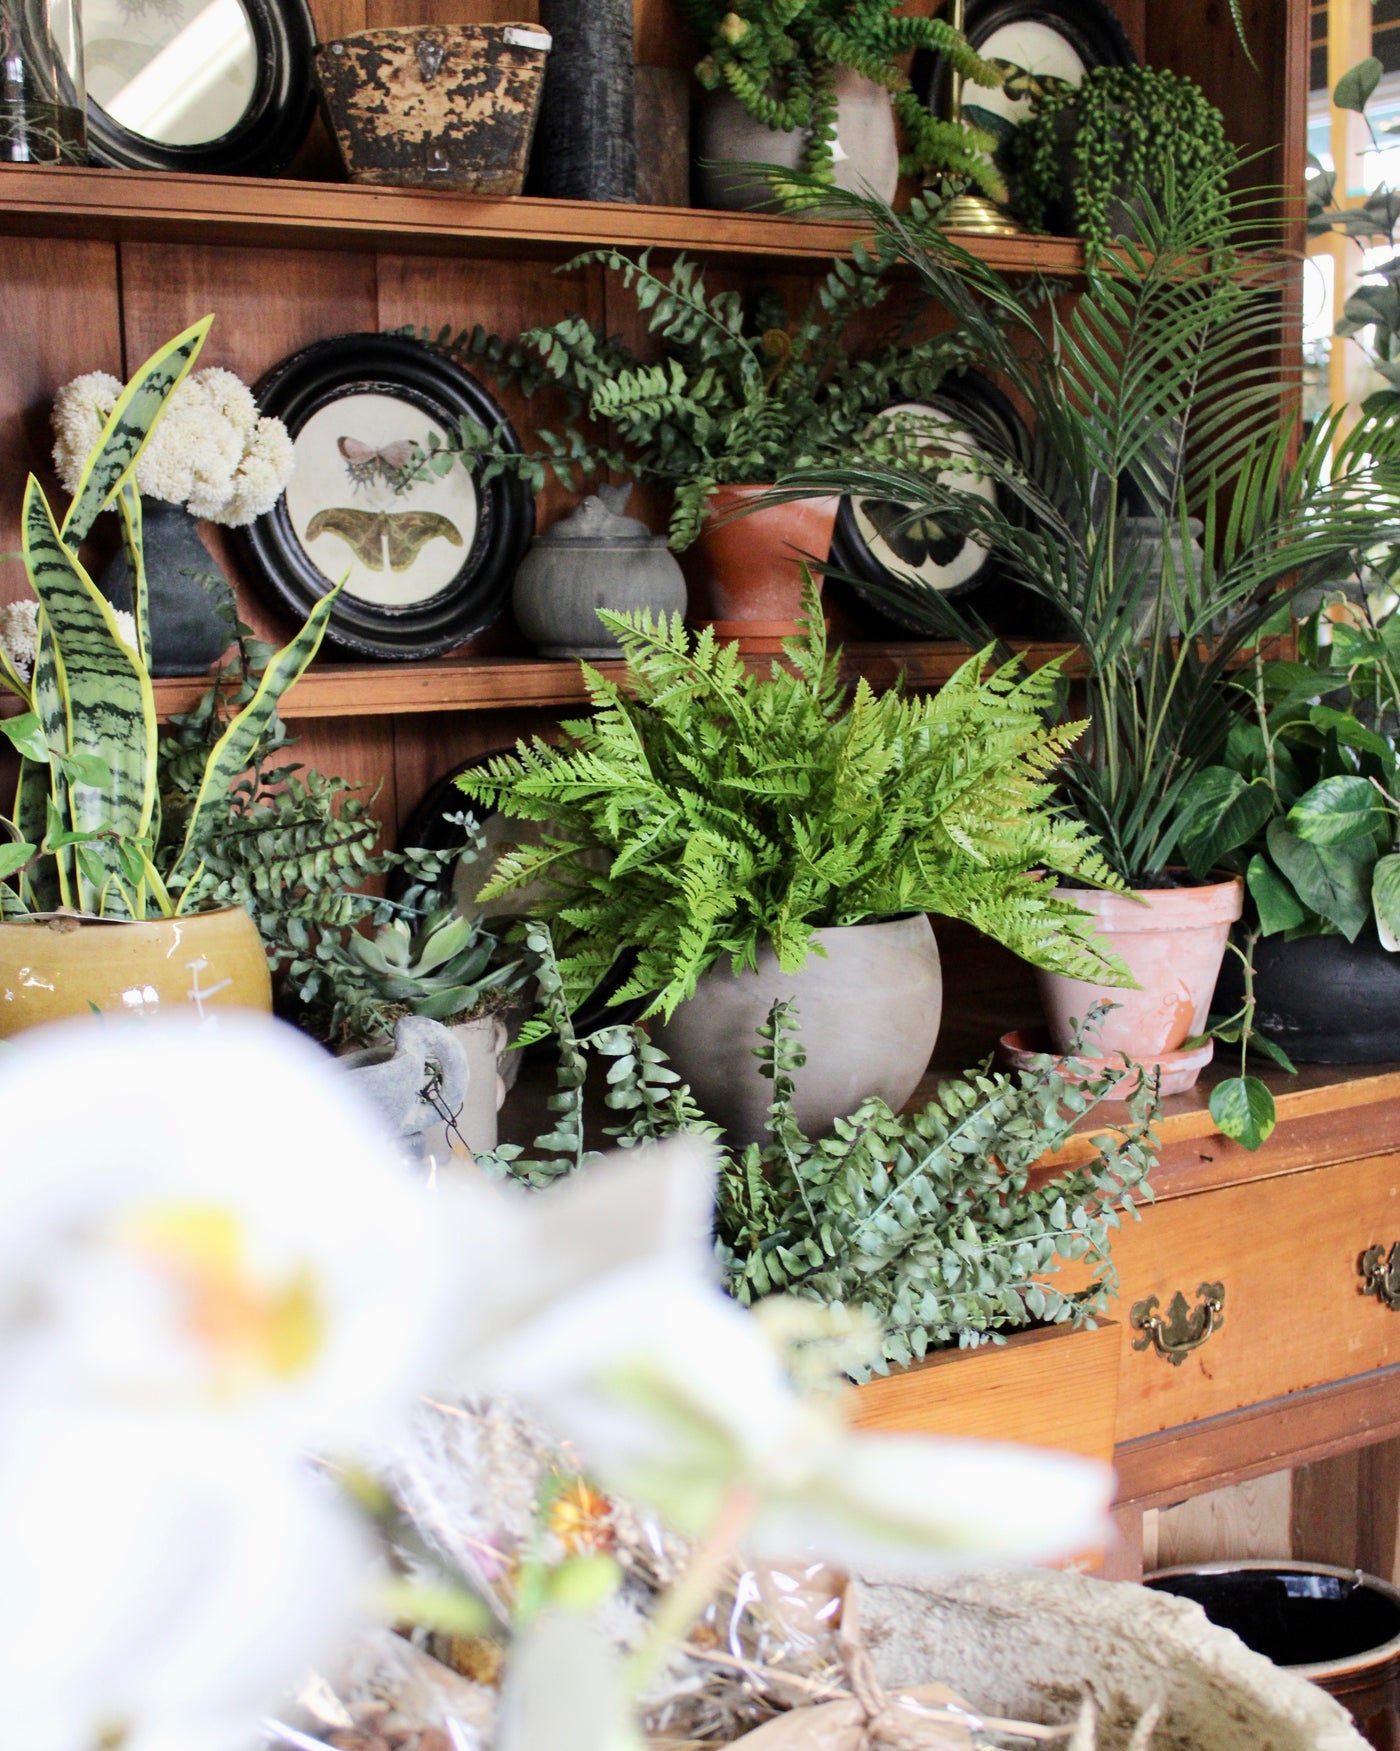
594	558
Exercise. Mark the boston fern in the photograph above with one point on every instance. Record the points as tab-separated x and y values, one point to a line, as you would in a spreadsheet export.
741	393
738	810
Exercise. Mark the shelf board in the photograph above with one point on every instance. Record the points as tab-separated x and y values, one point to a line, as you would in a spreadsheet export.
170	207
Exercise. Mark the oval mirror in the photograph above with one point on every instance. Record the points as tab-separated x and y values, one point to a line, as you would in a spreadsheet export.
220	86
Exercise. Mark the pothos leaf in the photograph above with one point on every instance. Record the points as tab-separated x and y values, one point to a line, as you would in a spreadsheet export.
1244	1109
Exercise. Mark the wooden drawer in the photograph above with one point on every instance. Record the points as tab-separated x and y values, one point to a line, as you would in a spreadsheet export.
1286	1251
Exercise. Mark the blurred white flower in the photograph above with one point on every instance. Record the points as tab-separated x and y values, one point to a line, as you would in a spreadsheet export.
210	450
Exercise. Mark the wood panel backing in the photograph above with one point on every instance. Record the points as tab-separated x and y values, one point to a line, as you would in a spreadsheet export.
1245	1520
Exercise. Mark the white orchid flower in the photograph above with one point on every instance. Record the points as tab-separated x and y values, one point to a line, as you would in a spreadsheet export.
209	1225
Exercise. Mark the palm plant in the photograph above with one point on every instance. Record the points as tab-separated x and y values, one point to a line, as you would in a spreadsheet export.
1155	392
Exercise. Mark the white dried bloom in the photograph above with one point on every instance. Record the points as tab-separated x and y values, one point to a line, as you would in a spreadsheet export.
19	634
126	628
210	451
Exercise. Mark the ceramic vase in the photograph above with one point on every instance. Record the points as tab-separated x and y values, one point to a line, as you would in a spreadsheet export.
586	144
727	136
1323	999
189	601
744	572
868	1012
56	968
412	1079
43	96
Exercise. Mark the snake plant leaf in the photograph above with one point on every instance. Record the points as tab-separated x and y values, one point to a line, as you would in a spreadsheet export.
11	679
128	427
108	706
129	505
232	752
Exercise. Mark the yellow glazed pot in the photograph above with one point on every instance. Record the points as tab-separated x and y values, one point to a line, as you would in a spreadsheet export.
53	968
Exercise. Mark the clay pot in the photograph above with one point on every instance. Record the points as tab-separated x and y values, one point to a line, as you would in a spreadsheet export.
436	106
51	969
595	558
185	591
867	1012
726	136
1324	999
744	573
1173	941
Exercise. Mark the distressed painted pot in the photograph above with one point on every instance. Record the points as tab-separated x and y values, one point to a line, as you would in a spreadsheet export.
436	106
744	573
726	136
867	1012
1173	941
594	558
52	969
185	589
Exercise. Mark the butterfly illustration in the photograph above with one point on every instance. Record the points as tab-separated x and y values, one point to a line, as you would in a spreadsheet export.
375	537
393	463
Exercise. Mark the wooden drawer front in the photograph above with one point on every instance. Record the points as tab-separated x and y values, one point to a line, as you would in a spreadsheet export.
1294	1315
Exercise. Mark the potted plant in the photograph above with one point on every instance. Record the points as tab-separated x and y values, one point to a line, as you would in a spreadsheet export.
1087	152
772	837
101	909
1113	382
211	456
815	86
741	393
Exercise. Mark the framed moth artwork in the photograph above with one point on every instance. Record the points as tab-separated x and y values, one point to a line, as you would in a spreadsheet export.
425	559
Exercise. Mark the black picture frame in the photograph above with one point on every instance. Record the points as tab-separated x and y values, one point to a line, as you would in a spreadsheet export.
476	595
270	131
1091	27
978	406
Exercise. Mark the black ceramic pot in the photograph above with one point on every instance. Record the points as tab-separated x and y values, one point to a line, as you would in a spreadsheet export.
185	592
1323	999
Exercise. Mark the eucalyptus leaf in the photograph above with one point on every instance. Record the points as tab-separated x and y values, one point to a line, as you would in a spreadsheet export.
26	734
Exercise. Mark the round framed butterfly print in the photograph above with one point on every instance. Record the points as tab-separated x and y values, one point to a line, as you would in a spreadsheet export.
425	560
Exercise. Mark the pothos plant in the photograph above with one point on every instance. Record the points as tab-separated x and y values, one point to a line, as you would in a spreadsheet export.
934	1226
742	391
780	59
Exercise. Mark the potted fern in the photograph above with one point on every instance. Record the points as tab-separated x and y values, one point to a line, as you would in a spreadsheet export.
100	908
816	86
772	838
741	393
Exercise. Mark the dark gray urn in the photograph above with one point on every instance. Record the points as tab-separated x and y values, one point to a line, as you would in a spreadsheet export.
189	601
585	144
594	558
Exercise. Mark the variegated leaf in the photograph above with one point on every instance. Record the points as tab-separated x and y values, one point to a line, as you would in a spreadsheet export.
129	504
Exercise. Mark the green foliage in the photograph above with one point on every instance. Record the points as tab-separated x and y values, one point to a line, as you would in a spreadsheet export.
780	58
1156	387
934	1225
87	832
739	811
1131	131
741	393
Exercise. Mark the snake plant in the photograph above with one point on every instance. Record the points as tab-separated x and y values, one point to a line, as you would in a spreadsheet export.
84	834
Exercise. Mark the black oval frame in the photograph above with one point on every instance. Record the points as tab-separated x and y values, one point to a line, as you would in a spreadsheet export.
1091	27
479	591
266	137
977	401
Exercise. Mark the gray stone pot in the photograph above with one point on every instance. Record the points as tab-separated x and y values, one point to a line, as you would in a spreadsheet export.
867	152
594	558
868	1014
185	592
1142	545
396	1077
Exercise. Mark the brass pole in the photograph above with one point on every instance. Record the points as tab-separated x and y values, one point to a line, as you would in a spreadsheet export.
969	212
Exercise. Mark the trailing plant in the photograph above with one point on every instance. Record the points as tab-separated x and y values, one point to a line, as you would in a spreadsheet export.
780	59
740	811
87	832
741	393
934	1226
1126	132
1154	392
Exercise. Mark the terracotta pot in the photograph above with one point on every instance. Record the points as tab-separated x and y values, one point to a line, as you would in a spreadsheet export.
727	136
1173	941
434	105
868	1014
744	573
51	969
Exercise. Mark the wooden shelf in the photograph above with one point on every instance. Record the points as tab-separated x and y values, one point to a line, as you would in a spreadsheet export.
167	207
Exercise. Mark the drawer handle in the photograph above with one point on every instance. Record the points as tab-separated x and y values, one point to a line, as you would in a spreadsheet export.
1380	1274
1185	1328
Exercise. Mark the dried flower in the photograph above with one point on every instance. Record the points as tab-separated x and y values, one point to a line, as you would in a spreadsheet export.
211	450
19	635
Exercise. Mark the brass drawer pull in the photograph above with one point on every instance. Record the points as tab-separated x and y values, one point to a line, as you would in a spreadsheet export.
1185	1328
1380	1274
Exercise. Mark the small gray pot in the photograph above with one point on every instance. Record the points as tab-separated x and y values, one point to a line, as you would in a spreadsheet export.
868	1013
398	1077
188	599
594	558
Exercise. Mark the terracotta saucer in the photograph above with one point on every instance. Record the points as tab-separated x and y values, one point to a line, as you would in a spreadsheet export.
1179	1069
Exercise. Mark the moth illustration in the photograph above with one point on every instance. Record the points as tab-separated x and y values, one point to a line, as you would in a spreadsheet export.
918	544
380	537
392	463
